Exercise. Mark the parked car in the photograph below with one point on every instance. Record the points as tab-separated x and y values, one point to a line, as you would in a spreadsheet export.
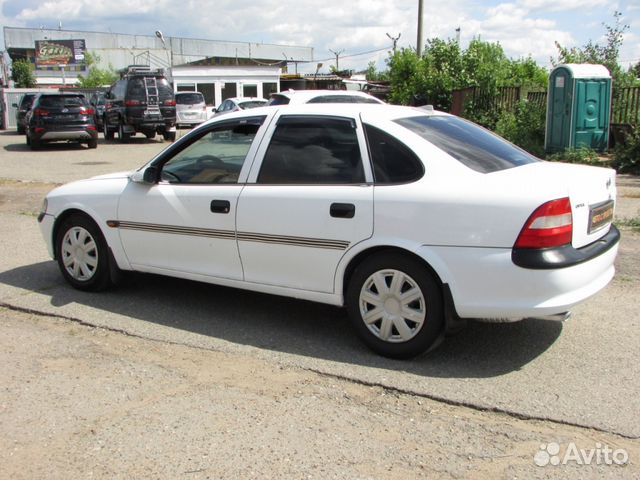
141	101
240	103
321	96
58	117
413	219
22	107
191	109
98	102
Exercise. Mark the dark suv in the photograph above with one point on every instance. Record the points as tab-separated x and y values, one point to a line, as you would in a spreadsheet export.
141	101
22	108
61	116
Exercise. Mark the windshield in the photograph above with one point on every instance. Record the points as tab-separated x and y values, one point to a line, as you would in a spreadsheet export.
470	144
252	104
189	98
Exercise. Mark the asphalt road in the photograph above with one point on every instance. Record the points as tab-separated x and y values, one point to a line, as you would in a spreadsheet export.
583	372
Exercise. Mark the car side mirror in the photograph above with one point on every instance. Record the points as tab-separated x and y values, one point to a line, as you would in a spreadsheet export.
147	176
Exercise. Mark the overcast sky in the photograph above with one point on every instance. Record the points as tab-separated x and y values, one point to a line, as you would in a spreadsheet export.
523	27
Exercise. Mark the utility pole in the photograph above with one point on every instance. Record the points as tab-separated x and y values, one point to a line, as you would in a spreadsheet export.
458	36
394	40
337	54
420	33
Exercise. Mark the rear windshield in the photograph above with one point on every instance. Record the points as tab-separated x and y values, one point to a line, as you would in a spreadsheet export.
252	104
189	98
342	99
58	101
27	100
471	145
279	100
136	89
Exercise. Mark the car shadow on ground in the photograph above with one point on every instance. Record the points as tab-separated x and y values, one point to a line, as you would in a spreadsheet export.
292	326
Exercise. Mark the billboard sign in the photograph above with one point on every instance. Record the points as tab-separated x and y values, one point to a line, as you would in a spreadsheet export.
59	52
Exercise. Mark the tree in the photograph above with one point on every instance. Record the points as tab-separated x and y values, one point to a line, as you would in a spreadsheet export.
22	74
96	77
595	53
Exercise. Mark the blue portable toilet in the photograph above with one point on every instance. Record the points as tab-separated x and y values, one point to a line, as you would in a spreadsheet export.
578	108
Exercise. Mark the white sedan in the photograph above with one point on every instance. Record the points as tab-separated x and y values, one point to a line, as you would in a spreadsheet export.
414	220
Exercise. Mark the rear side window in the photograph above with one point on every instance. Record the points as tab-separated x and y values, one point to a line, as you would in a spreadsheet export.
313	151
393	162
471	145
342	99
189	98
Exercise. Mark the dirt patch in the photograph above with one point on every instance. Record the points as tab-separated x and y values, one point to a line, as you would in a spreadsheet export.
23	197
80	402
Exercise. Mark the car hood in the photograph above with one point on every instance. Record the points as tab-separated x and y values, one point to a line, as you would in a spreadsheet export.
110	176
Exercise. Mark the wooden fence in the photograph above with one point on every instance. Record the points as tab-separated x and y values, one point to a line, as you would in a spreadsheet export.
625	107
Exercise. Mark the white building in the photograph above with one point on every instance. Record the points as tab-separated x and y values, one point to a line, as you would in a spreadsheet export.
218	69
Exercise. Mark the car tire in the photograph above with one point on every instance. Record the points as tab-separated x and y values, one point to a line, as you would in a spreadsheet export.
169	136
108	133
21	130
34	144
82	254
150	135
395	305
122	135
93	143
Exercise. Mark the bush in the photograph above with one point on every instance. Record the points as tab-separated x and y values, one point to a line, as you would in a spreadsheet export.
627	156
524	127
576	155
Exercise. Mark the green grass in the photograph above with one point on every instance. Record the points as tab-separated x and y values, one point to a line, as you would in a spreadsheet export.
632	223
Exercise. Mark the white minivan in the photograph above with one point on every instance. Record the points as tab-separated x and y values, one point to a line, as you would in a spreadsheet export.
191	109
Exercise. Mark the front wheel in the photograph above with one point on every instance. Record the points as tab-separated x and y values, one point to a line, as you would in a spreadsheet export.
395	305
82	254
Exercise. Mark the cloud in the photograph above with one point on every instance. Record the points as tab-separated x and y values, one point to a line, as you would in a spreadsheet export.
562	5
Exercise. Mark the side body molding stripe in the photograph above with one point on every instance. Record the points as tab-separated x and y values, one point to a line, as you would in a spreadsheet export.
231	235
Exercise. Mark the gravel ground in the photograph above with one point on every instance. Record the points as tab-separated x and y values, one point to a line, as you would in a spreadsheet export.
78	401
81	402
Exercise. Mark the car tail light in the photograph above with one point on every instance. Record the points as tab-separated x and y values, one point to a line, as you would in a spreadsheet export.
551	225
87	111
170	103
91	127
132	103
40	112
39	130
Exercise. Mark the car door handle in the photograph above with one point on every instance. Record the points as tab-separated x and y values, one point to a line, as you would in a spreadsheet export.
220	206
342	210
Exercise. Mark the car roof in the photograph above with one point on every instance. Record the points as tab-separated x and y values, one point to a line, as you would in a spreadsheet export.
303	96
381	111
187	92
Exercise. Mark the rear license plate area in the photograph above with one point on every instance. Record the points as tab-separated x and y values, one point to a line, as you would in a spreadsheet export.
600	216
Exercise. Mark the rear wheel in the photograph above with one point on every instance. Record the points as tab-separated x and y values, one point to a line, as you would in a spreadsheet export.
93	143
82	254
33	143
150	134
169	136
395	305
108	133
122	135
21	130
